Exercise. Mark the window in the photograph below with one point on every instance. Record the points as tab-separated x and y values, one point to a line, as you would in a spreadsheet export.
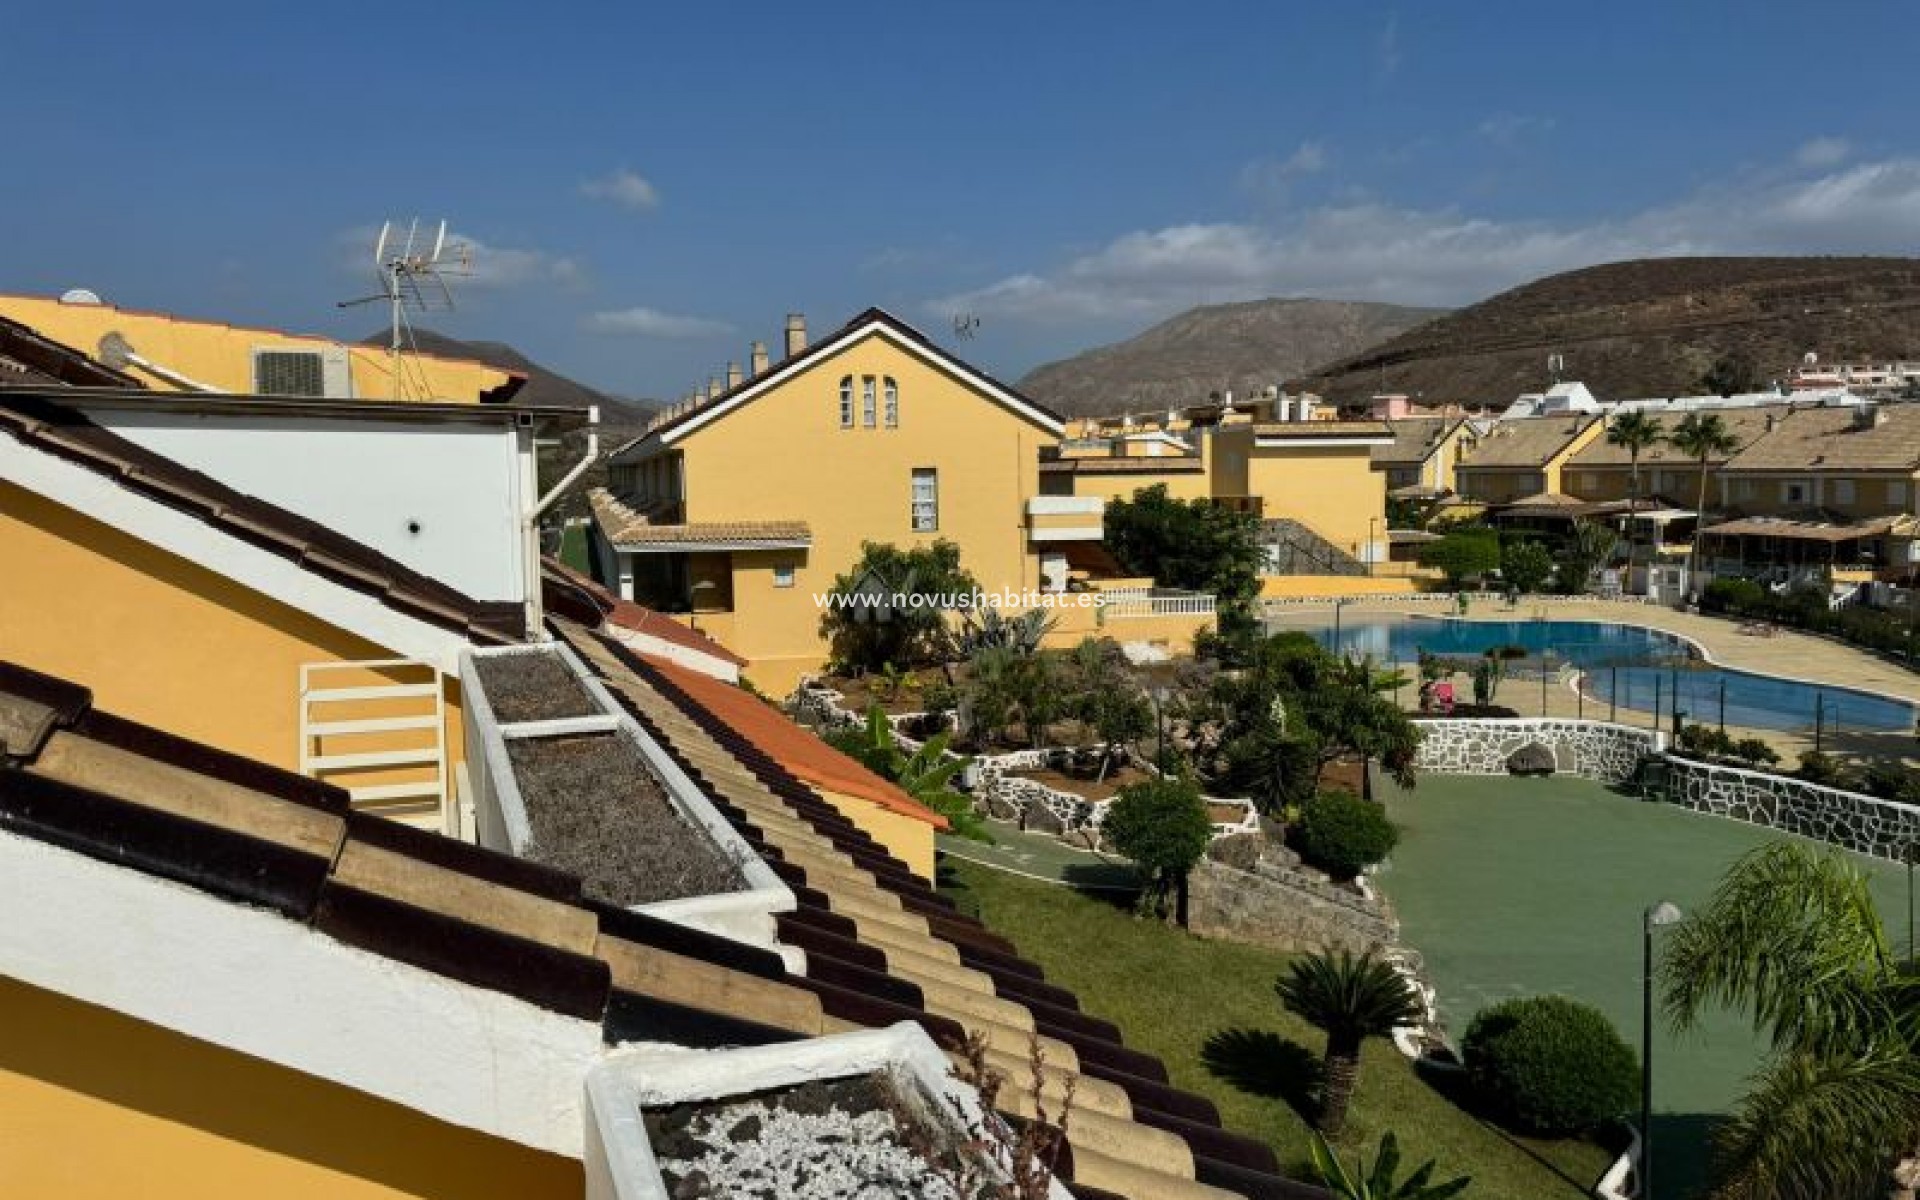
783	576
926	500
1746	489
846	402
1842	491
866	401
1793	493
1897	493
893	403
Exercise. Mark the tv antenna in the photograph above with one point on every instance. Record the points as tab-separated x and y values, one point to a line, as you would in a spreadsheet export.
1556	366
413	264
965	325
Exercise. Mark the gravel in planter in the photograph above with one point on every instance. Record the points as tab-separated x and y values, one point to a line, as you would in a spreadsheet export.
837	1139
534	686
597	811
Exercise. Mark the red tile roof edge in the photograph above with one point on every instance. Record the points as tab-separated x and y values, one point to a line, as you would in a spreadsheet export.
638	618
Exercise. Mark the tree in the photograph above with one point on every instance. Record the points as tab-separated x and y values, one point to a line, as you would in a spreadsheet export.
1791	937
1162	826
1193	544
1588	548
1352	999
1106	701
1731	374
884	610
1381	1182
1634	431
1526	566
925	774
1702	436
1462	554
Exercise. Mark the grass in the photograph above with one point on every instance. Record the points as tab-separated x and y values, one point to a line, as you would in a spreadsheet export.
573	548
1170	993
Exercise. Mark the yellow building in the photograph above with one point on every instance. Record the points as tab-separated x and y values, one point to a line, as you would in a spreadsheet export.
1602	471
172	353
1524	457
744	506
1420	462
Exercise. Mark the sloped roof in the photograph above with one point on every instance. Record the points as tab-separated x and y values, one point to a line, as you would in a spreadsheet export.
1830	439
30	359
1745	424
1317	430
1805	531
1161	464
1415	439
568	593
625	526
881	945
42	425
669	424
1525	442
1543	504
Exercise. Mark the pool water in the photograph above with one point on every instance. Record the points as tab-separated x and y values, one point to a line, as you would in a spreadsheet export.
1627	666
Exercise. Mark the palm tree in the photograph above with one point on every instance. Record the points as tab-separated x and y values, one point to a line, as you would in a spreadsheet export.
1791	937
1352	999
1701	436
1634	431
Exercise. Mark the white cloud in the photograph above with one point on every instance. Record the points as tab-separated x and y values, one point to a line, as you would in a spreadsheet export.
1366	249
467	261
1823	152
652	323
1508	130
624	187
1274	176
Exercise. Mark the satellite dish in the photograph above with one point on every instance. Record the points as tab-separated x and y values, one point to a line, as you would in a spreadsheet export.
1810	358
115	350
80	296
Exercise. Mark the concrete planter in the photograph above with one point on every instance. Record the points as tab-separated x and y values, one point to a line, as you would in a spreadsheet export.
620	1160
500	819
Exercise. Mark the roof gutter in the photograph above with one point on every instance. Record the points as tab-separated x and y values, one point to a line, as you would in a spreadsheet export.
580	468
530	523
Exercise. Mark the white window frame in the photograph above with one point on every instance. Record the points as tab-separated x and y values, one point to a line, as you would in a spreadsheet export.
924	510
867	411
846	402
892	402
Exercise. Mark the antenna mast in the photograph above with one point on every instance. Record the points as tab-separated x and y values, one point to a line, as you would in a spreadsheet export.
413	265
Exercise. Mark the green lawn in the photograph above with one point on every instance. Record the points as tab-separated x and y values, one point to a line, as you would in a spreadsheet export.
1170	992
573	548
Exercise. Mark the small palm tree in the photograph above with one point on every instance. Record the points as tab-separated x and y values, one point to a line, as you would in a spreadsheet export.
1702	436
1792	938
1352	998
925	774
1634	432
1379	1183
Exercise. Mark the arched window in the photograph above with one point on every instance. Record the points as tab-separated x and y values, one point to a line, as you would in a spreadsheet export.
893	403
846	402
866	401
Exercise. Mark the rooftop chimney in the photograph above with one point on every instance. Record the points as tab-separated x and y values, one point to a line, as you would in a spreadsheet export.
757	360
713	386
733	375
796	333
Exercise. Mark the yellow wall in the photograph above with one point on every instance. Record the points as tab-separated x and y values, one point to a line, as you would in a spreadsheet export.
94	1104
1332	490
161	640
784	456
906	838
1759	494
1180	485
221	356
1394	580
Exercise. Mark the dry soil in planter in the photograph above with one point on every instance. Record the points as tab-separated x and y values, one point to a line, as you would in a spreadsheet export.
597	811
837	1139
535	686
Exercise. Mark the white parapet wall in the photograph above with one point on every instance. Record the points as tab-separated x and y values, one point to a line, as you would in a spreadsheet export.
1482	745
1853	821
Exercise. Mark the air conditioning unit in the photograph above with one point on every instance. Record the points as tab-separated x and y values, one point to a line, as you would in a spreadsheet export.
325	373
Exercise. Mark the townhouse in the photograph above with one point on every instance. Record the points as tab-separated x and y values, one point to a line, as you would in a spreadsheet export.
1419	463
1524	457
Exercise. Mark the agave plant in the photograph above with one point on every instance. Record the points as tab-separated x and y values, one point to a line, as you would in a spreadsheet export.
1379	1183
989	627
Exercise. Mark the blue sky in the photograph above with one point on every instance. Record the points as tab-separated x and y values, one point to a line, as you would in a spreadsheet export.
650	186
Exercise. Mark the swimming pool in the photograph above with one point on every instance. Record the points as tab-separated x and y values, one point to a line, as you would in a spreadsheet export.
1625	665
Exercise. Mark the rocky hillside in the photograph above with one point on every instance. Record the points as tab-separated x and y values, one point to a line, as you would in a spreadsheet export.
543	387
1651	327
1242	347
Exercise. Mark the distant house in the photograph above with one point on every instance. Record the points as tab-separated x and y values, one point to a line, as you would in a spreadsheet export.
1523	457
1419	463
1602	471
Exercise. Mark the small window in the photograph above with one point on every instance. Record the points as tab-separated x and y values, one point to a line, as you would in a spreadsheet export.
783	576
926	500
893	403
846	402
1897	493
866	401
1793	493
1747	489
1842	491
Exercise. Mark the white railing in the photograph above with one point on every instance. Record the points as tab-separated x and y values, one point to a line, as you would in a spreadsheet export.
378	728
1159	602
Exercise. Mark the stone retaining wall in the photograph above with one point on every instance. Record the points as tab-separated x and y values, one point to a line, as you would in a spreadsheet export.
1482	745
1864	824
1284	908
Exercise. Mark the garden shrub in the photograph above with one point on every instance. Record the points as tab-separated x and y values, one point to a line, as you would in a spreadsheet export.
1342	834
1549	1065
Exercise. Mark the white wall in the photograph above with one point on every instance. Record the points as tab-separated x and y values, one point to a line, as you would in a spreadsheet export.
459	482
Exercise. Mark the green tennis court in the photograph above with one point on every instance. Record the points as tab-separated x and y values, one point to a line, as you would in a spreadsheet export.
1514	887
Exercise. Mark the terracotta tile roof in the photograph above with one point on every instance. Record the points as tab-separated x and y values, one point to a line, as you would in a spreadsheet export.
572	595
1528	442
1415	439
1746	424
1805	531
624	526
1321	429
51	428
881	945
1171	464
1830	439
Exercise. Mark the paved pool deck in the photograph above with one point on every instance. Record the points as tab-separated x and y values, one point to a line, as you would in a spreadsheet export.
1516	887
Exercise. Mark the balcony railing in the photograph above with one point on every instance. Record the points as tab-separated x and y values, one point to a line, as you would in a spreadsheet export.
1123	603
1254	505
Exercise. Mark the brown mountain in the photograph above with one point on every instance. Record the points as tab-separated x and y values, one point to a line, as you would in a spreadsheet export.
544	387
1219	347
1650	327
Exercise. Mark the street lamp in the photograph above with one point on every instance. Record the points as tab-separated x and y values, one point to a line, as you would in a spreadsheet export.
1661	914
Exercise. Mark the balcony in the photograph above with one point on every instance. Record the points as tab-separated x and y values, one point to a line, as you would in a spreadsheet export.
1125	602
1066	518
1252	505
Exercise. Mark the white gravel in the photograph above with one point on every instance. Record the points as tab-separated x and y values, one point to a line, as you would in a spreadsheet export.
834	1155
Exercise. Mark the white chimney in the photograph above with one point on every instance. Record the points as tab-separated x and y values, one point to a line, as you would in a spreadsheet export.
757	359
1305	409
796	333
1283	409
733	375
